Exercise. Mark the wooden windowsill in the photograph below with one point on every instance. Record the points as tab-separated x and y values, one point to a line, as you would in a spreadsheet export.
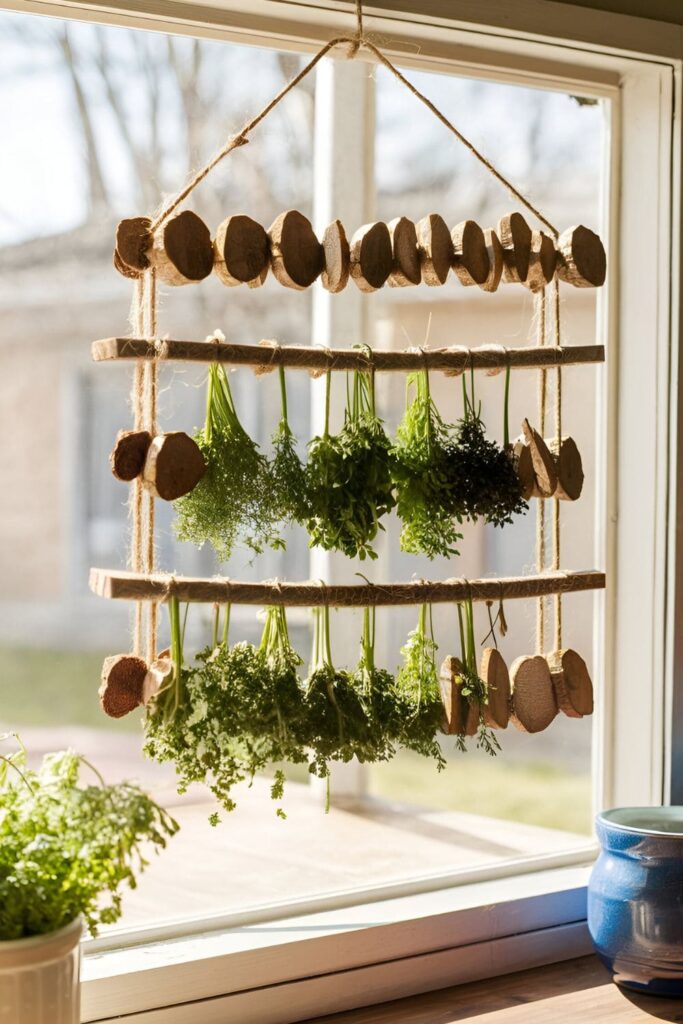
574	992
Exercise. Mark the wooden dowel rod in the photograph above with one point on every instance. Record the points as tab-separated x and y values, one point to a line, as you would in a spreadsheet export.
318	360
131	586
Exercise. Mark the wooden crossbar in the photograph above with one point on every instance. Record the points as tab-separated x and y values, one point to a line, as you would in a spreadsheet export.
131	586
318	360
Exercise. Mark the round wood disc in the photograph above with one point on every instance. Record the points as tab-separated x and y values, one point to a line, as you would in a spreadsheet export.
495	674
470	255
128	454
515	237
542	461
133	240
371	256
461	716
296	254
542	261
336	258
534	705
573	685
187	250
524	468
435	247
174	465
406	258
120	691
569	469
581	258
494	251
157	675
242	251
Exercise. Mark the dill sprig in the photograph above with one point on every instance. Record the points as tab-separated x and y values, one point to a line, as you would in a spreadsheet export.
418	682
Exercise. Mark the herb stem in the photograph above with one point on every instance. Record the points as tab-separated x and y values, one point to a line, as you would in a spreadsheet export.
328	388
283	394
506	409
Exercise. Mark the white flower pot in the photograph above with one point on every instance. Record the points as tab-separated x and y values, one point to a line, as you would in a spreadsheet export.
39	978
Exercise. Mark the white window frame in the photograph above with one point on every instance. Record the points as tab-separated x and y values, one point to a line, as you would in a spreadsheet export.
393	946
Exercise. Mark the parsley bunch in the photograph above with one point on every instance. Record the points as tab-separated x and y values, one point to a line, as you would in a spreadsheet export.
349	476
287	474
234	501
232	715
473	687
418	680
481	473
423	472
67	848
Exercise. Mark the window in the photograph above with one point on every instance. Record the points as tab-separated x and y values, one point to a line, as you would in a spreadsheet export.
53	633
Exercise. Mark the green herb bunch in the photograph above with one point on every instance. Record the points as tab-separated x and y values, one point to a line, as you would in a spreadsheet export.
383	703
423	472
418	681
235	500
67	848
336	727
232	715
288	481
473	687
482	476
350	476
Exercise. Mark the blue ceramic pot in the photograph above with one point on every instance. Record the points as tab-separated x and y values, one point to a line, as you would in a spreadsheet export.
635	898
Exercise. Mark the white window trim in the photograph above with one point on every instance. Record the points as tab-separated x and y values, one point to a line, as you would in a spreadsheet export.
641	73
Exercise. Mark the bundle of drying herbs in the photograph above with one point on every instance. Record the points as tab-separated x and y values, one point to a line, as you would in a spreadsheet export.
473	687
239	710
481	475
349	475
426	501
418	681
242	496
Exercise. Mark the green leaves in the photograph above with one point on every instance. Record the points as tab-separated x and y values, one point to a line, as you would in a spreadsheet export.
423	452
473	687
349	477
67	848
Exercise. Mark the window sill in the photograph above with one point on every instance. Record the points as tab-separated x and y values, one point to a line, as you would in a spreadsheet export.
346	957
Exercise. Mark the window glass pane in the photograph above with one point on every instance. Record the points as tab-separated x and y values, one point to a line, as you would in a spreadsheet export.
125	116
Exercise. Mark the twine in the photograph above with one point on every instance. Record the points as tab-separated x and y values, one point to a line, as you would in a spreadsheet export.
558	435
540	505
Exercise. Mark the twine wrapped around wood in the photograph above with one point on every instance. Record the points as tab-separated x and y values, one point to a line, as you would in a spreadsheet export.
132	586
269	355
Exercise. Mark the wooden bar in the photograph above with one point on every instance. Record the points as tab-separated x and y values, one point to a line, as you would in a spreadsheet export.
131	586
318	360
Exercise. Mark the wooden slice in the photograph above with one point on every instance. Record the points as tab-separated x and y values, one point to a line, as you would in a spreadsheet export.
542	461
542	262
174	465
495	674
524	468
336	258
159	673
406	257
581	259
572	682
127	457
461	717
470	255
120	691
296	254
534	705
435	247
494	251
241	252
569	468
515	237
133	240
183	251
371	256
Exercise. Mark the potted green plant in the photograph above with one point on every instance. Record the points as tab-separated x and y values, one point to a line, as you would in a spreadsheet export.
66	850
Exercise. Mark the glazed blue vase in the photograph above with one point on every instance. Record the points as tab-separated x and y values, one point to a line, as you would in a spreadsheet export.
635	898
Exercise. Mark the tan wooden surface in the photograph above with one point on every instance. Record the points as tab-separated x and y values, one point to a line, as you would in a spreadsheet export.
575	992
133	586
